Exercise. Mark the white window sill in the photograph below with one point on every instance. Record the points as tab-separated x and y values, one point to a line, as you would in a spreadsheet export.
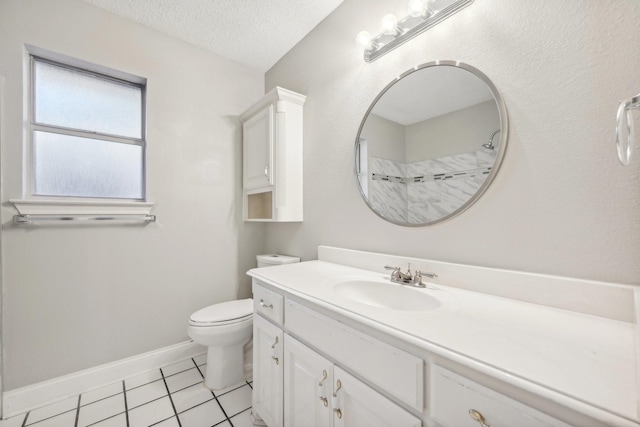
80	207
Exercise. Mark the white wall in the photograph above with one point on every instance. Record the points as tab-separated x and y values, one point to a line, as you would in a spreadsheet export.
443	136
561	203
385	139
79	296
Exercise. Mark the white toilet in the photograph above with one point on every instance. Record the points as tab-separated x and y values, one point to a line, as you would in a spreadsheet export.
224	328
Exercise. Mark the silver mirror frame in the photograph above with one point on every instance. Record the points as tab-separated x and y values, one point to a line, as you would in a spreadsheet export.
504	127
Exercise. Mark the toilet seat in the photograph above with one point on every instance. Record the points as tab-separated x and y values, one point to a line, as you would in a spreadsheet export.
226	313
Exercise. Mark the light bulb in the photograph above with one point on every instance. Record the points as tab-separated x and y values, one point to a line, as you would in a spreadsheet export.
389	24
364	40
420	8
417	8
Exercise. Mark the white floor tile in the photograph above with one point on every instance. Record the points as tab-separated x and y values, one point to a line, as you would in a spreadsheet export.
183	380
101	393
13	421
53	409
146	393
191	396
171	422
201	359
222	391
243	419
117	421
143	378
68	419
204	415
236	401
178	367
148	403
151	413
98	411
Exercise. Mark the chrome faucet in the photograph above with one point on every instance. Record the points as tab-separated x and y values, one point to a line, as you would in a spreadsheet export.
397	276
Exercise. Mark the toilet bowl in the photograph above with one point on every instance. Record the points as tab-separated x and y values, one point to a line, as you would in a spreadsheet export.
224	329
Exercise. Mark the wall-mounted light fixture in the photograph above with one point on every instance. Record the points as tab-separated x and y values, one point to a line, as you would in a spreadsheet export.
423	14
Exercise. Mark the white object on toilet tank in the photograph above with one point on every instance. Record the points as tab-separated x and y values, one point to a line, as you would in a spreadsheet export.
275	259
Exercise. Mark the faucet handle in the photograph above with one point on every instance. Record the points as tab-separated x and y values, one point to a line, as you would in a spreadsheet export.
390	267
425	274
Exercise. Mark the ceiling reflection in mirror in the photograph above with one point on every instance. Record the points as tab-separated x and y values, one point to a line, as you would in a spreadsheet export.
430	144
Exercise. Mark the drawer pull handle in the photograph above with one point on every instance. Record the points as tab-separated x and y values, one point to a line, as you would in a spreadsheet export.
263	305
338	387
477	416
324	377
275	343
338	412
325	402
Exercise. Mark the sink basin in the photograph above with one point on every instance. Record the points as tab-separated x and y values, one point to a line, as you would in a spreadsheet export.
384	294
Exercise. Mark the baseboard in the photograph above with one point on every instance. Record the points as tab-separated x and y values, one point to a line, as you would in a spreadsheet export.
23	399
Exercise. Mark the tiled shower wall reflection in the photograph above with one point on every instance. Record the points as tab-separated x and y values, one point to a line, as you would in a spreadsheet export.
421	202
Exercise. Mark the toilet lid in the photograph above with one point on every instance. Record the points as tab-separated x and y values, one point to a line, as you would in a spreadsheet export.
223	312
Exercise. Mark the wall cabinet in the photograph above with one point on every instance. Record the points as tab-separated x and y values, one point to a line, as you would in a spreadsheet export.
272	158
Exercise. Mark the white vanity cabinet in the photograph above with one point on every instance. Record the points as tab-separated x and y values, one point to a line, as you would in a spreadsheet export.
272	157
314	370
313	390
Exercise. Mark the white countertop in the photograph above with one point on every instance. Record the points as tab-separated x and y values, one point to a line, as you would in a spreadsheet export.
588	359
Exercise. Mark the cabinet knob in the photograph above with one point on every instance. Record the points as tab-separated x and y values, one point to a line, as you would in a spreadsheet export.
266	171
275	343
276	359
338	387
265	305
338	412
324	377
325	402
477	416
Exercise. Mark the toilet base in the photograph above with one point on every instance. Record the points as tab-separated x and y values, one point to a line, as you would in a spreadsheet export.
225	366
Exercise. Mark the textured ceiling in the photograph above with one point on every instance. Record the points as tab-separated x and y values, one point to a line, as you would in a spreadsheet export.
256	33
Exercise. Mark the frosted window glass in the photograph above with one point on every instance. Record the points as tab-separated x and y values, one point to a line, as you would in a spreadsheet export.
83	167
73	99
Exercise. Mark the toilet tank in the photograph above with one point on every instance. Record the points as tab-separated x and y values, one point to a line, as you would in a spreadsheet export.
275	259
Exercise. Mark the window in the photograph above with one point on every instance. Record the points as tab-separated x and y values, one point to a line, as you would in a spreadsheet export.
87	133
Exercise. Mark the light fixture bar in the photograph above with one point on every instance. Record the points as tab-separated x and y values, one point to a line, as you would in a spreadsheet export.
408	32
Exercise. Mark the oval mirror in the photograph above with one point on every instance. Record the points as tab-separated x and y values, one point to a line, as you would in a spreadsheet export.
430	143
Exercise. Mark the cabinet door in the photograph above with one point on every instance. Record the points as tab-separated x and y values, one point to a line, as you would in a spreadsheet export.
357	405
307	386
267	371
257	142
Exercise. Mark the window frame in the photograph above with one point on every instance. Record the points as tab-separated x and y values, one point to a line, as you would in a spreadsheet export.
38	55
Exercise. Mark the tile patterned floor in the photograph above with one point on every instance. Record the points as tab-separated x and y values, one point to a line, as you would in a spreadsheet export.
173	396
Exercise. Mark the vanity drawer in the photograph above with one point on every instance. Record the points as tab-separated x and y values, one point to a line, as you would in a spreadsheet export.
452	396
389	369
267	303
